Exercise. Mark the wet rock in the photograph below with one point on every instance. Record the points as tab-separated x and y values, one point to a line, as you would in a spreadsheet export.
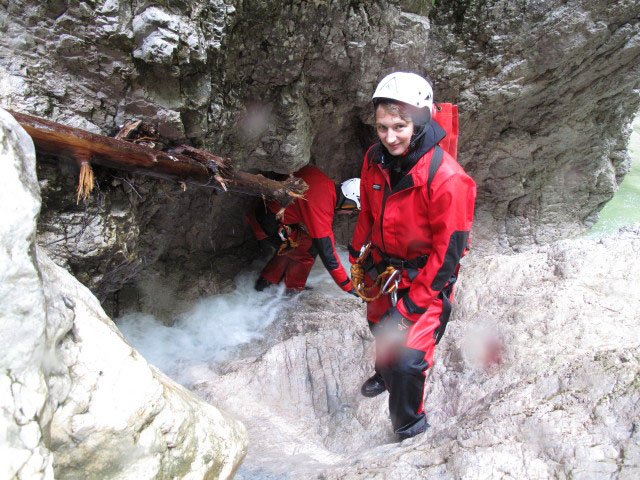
98	240
122	417
26	411
117	236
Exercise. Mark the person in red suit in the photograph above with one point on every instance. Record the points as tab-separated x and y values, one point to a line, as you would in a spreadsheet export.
417	208
305	231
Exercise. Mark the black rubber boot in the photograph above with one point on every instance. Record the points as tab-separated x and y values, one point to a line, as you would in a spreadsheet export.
373	386
261	284
406	433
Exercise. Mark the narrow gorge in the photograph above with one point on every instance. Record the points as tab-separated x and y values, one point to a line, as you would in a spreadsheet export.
134	343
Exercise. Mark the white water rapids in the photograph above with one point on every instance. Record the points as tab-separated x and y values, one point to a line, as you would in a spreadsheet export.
223	327
214	327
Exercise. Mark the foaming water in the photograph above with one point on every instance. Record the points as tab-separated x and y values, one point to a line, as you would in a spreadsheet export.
214	327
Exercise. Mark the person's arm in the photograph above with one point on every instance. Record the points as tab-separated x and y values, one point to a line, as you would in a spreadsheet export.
329	257
450	213
365	219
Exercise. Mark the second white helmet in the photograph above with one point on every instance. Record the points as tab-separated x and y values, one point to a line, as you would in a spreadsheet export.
406	87
351	190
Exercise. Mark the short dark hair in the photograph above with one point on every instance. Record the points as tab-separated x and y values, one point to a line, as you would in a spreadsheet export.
408	113
393	107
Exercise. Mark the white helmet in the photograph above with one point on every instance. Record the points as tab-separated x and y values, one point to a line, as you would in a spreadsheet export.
406	87
351	191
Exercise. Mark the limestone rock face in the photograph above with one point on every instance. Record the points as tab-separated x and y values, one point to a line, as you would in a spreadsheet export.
130	223
76	399
536	377
25	340
545	89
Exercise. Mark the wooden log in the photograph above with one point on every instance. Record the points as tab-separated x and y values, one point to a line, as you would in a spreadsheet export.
61	141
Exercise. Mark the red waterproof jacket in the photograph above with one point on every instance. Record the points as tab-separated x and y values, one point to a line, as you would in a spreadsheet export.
417	218
314	213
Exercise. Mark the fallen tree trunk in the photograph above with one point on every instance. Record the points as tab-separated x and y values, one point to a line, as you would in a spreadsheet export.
205	170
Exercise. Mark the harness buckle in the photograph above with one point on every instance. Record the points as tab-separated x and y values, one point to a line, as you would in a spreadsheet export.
396	263
364	253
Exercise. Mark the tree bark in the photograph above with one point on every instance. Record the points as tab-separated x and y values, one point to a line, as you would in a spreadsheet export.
205	169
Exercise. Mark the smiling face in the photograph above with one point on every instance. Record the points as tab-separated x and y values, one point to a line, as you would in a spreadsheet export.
394	128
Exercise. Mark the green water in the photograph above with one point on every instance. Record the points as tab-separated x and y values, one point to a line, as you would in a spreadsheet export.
624	208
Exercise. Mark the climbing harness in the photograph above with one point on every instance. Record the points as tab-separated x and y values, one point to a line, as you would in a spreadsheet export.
386	282
287	242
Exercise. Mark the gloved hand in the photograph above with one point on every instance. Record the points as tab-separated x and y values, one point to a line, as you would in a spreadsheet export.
392	331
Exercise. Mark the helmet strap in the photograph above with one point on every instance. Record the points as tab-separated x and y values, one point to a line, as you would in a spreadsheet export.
340	198
422	117
416	138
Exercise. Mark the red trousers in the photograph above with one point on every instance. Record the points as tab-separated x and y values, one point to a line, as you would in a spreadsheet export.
292	266
404	373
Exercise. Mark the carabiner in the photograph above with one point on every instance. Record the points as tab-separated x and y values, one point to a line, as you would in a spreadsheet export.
385	290
364	251
394	295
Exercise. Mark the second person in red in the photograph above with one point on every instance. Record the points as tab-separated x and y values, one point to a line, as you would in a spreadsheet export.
305	231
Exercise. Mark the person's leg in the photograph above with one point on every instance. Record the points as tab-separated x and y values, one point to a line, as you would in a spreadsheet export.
405	381
273	272
301	260
405	377
374	385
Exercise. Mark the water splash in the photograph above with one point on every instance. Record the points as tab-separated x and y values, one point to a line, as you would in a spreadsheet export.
208	331
214	327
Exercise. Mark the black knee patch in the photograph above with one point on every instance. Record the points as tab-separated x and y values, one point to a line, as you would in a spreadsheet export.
409	362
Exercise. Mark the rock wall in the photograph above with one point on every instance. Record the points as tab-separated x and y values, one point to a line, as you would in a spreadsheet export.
135	224
547	94
76	399
26	411
546	91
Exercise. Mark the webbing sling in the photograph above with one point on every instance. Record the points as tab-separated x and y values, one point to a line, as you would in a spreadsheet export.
412	266
445	296
436	161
